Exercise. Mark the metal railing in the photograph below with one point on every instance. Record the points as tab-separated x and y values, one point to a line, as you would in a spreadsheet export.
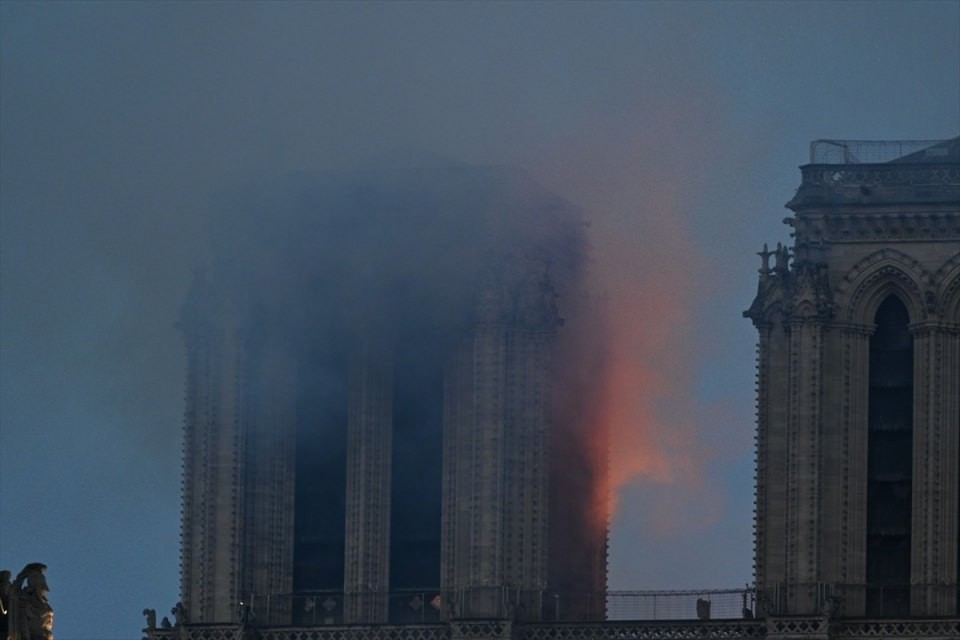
431	606
710	604
874	151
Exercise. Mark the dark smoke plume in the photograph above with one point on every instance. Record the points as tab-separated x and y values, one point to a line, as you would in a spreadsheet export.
384	252
394	257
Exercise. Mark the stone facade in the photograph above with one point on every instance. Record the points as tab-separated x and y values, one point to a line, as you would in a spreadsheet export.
264	522
835	457
241	430
858	448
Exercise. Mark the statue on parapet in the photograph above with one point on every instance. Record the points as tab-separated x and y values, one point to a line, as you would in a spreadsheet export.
782	258
29	614
151	616
179	614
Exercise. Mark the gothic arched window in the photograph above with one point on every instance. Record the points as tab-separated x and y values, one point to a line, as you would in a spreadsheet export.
890	462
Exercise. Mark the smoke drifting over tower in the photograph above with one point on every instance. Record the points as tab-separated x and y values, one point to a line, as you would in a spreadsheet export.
391	386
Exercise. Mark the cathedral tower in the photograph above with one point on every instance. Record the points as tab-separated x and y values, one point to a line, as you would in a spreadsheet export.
858	387
370	412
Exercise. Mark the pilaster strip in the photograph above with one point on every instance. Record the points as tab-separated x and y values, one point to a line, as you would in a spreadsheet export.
367	529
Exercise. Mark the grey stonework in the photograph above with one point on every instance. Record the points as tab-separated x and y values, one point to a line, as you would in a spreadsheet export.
240	452
862	233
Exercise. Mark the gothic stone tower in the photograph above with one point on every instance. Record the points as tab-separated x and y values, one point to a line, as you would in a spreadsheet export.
378	461
858	387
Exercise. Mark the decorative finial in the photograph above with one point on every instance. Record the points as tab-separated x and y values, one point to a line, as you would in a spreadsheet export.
765	260
782	255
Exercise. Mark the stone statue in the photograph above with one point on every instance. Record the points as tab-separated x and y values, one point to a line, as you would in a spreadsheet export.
703	609
765	260
782	255
151	616
179	614
830	607
30	615
245	613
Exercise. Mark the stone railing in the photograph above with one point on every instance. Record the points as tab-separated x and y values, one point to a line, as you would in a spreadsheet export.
786	628
617	615
840	601
645	630
880	175
871	183
934	629
385	632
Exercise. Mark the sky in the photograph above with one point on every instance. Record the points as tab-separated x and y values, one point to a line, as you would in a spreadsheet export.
676	127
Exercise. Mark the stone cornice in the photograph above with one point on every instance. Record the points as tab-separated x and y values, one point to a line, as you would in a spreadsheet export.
935	326
893	226
854	328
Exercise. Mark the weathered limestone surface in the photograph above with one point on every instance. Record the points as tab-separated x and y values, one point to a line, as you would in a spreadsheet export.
862	233
25	612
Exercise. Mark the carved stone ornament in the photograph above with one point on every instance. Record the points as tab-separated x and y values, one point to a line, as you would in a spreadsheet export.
810	297
151	616
27	614
771	292
773	286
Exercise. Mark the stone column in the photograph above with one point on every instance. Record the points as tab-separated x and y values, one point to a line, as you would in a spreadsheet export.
489	484
771	506
525	459
803	465
269	431
212	462
936	447
772	412
457	473
851	505
496	438
526	474
369	451
475	405
212	468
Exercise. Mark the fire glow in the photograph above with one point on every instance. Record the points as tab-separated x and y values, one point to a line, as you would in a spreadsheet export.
639	392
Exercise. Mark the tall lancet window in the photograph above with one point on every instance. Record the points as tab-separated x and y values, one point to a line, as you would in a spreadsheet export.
890	462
